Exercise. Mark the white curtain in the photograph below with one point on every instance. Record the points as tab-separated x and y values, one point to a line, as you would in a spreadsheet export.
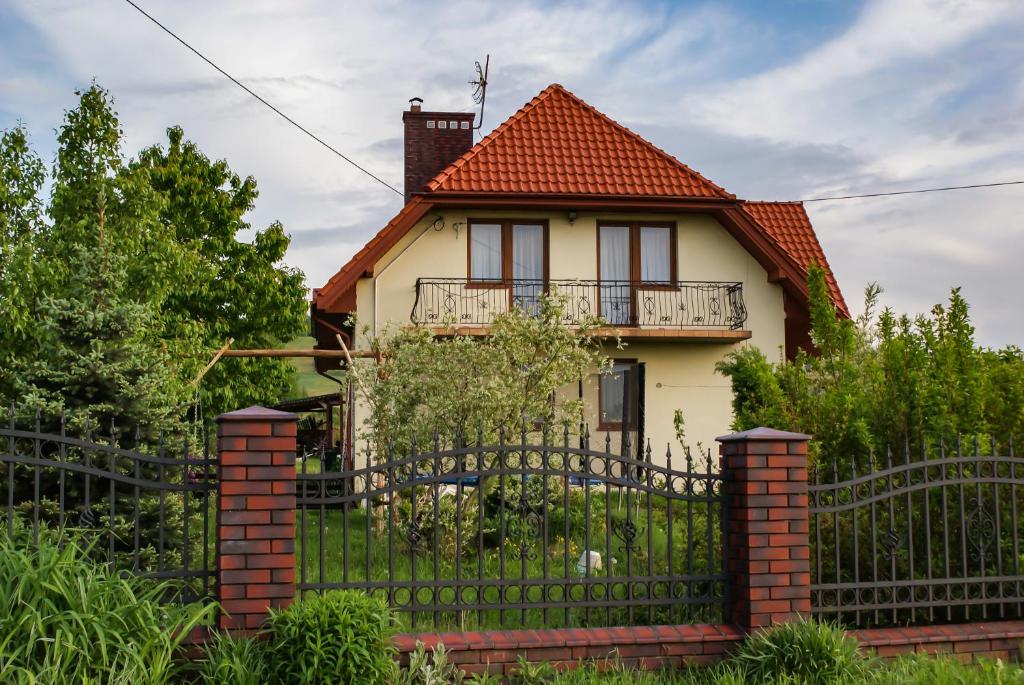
528	252
655	254
615	306
485	252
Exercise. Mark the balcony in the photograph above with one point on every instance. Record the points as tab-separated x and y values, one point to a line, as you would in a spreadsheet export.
710	311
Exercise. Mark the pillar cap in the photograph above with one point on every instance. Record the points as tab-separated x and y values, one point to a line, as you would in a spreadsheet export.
257	413
762	433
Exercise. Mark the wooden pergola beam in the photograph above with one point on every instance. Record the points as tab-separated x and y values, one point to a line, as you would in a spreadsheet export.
362	354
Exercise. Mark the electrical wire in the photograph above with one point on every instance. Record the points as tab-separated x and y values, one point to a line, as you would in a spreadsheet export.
264	101
913	192
396	190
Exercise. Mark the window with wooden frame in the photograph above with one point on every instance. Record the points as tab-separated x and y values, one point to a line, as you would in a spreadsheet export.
631	256
502	251
641	252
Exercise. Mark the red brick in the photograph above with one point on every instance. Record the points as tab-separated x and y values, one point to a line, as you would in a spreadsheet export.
286	487
787	540
769	553
772	606
787	461
231	532
269	473
245	577
271	532
267	590
230	444
283	575
244	428
764	474
283	546
245	458
282	458
271	502
285	428
282	444
268	561
285	516
241	487
237	518
789	566
783	488
232	473
244	547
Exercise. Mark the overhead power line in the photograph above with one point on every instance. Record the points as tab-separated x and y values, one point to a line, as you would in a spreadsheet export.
913	192
277	111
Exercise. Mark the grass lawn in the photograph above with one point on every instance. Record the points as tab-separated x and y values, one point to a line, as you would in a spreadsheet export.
524	557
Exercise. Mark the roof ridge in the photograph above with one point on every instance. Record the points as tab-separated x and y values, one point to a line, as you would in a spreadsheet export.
695	177
643	141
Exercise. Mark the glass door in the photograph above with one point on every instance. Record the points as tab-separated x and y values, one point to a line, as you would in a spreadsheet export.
615	261
527	266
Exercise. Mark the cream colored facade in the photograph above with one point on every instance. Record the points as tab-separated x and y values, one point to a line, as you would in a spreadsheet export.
679	374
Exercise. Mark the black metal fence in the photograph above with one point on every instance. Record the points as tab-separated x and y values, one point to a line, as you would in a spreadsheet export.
679	304
519	531
149	513
934	537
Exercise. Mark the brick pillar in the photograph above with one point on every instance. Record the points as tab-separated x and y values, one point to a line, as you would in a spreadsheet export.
768	547
255	515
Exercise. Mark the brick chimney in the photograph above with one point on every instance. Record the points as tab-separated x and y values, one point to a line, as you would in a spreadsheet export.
433	140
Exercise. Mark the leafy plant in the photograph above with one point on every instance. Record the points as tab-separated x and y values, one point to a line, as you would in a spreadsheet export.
430	669
813	653
338	637
230	660
881	380
65	619
528	673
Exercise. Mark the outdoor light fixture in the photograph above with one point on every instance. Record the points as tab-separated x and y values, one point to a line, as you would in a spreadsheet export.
572	217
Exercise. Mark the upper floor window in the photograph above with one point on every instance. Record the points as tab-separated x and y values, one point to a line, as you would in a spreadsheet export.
639	252
507	250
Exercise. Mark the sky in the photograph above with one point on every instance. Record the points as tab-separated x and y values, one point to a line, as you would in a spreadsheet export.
773	100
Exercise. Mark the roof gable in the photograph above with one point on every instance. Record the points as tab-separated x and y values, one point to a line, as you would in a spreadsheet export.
559	144
789	225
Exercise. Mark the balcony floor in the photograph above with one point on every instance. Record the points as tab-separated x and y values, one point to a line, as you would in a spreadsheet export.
651	334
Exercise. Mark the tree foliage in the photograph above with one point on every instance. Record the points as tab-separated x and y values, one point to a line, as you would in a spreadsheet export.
420	384
119	293
881	380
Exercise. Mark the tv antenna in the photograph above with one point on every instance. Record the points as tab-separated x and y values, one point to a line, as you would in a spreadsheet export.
480	88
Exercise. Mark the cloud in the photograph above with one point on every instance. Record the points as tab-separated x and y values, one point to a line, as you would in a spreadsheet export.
896	94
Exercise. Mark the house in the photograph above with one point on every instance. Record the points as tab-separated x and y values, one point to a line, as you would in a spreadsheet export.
561	197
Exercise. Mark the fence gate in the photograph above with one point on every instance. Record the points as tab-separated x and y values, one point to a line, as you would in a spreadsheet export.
933	537
520	532
146	511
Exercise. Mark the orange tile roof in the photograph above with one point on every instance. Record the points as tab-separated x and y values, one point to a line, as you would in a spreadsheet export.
559	144
789	225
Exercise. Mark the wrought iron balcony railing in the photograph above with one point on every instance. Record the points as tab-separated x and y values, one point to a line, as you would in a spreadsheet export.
680	304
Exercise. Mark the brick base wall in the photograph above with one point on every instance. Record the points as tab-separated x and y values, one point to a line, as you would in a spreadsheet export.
656	647
997	640
645	647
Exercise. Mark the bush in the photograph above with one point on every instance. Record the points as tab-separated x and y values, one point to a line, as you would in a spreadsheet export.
811	653
338	637
66	619
233	661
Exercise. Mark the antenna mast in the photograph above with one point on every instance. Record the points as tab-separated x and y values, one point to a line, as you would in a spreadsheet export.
480	89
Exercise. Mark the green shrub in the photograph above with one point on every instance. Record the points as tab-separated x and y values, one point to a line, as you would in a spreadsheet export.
811	653
229	660
66	619
340	637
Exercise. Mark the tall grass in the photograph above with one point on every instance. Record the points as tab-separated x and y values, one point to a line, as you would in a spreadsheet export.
66	619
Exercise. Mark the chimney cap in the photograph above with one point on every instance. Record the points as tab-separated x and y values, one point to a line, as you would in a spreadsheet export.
414	104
